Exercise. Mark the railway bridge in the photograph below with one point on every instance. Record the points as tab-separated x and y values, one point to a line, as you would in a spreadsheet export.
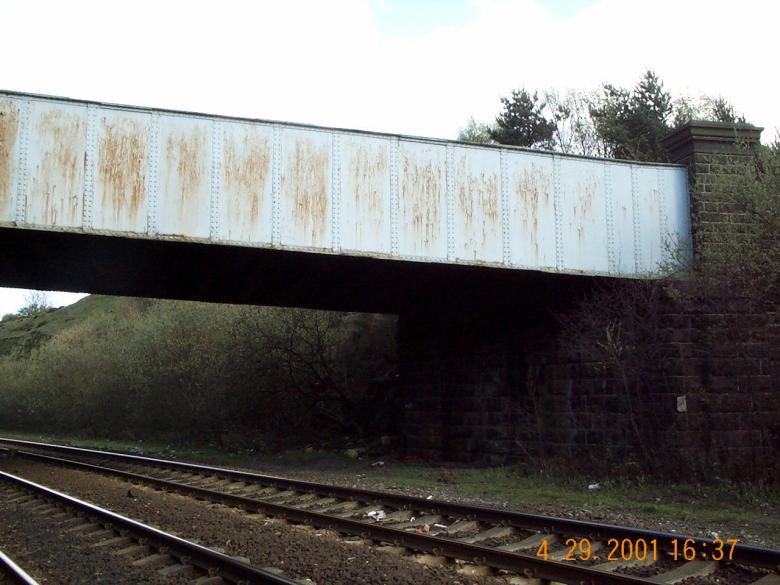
136	201
475	247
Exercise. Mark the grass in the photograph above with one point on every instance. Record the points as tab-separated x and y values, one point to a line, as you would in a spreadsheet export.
728	508
15	332
733	510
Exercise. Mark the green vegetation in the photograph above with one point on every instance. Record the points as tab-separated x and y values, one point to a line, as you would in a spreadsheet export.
613	121
222	374
522	122
23	332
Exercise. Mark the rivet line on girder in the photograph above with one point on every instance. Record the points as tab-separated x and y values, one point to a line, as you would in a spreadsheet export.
20	211
276	188
217	155
636	214
449	165
152	174
89	171
394	196
610	214
506	211
336	192
558	205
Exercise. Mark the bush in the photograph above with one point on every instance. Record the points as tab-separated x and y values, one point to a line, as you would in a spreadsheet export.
203	372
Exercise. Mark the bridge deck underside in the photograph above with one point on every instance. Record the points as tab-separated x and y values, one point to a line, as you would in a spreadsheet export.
161	269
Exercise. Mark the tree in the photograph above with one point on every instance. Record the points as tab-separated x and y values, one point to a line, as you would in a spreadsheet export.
476	132
35	302
717	109
575	132
523	123
612	122
633	122
328	363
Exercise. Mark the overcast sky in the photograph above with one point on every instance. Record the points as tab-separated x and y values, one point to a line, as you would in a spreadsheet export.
409	66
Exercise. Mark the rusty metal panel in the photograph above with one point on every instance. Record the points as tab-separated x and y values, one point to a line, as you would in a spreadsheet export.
246	183
477	185
365	197
422	213
583	216
56	162
122	151
117	169
10	118
651	240
305	197
622	217
184	199
532	209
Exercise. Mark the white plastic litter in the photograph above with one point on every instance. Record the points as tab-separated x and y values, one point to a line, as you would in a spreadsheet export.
376	515
594	486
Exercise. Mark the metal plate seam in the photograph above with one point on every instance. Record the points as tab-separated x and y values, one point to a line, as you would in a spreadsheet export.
276	185
217	162
394	188
450	184
610	204
89	171
336	192
20	201
638	264
152	172
663	212
558	208
506	234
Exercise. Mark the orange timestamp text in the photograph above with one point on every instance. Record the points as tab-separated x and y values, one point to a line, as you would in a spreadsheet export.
640	549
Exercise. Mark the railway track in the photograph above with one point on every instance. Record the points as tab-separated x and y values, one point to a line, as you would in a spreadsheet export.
149	547
527	548
13	574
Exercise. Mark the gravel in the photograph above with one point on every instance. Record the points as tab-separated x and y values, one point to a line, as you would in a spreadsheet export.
48	553
299	552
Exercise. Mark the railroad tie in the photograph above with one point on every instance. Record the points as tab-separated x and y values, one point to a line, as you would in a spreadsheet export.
533	541
689	569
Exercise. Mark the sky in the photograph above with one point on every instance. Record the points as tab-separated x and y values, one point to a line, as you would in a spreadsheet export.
419	67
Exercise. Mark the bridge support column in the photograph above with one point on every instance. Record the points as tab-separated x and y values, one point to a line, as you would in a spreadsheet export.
712	151
477	376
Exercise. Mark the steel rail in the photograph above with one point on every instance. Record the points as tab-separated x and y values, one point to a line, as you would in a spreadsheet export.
747	554
527	565
14	572
189	552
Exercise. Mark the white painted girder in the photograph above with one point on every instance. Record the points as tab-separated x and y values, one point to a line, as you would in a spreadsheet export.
97	168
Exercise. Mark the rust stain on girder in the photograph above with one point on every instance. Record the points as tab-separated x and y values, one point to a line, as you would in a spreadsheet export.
477	196
533	192
9	128
186	169
56	190
369	168
247	169
585	194
121	177
307	175
421	187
